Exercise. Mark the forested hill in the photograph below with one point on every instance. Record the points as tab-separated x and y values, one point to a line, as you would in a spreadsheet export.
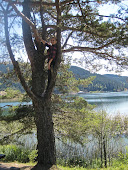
8	82
106	82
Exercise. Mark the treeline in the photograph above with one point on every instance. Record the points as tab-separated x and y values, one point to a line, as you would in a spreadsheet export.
8	78
107	82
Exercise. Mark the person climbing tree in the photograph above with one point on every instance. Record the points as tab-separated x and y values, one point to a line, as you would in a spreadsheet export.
52	53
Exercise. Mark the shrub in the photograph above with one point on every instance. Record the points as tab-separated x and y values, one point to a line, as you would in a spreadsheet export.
9	151
15	153
32	156
123	157
76	161
23	155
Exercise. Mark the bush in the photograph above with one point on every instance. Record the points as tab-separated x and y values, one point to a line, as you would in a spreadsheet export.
33	155
123	157
9	151
15	153
76	161
23	155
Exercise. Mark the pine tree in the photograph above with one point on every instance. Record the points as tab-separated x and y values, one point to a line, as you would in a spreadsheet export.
76	20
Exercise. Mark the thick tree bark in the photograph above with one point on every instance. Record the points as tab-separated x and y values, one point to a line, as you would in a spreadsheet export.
45	135
43	115
41	105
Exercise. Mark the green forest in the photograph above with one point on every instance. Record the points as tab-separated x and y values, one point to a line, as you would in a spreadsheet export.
106	83
8	78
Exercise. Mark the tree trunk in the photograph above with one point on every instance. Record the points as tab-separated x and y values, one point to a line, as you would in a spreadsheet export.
45	135
105	152
101	151
43	115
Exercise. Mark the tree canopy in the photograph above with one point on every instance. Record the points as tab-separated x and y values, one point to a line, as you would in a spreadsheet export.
78	26
83	29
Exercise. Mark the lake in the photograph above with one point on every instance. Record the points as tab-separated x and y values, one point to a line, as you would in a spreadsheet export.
11	102
111	102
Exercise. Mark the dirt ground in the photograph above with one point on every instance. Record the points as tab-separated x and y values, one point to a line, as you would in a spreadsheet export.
14	166
19	166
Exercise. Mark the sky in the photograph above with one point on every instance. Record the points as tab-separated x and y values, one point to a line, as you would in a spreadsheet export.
104	10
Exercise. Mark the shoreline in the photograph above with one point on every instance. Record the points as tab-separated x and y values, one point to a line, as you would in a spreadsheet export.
11	99
90	92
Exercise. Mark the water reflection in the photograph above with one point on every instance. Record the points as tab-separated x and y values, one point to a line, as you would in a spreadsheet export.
112	102
11	102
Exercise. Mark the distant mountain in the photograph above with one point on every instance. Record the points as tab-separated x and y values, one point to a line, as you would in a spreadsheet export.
4	82
106	82
5	67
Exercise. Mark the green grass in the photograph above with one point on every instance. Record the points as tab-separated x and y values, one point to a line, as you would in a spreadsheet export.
20	154
121	167
67	168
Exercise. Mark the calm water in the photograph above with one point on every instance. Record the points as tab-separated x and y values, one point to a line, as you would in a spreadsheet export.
112	102
11	102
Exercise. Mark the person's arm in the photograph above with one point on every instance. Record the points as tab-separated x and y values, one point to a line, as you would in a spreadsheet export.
44	42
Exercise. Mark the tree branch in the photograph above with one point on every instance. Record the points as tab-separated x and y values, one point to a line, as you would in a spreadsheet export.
65	43
31	24
36	34
49	13
66	2
89	49
123	61
3	10
81	9
58	57
43	23
78	29
32	3
20	131
42	3
15	63
111	16
77	48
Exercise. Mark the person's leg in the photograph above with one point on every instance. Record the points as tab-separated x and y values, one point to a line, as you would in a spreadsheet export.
50	72
49	76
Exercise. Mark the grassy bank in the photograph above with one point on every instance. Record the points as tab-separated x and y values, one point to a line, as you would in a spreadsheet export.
18	154
30	165
121	167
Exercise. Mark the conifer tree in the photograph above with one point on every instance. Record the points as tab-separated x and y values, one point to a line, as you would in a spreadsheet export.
78	21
